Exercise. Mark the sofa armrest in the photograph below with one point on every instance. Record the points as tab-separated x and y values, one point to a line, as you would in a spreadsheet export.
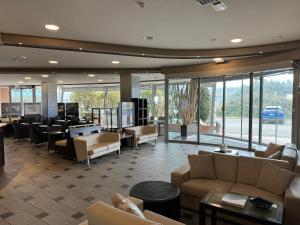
138	202
260	153
81	148
180	175
297	166
292	202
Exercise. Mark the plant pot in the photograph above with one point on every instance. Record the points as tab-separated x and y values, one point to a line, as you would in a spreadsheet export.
184	130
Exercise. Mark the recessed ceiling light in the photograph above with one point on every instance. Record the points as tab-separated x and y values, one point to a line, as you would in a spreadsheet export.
45	75
60	81
27	78
198	56
143	54
218	60
91	75
148	38
52	27
236	40
21	82
261	52
53	61
80	49
20	43
115	62
213	39
100	80
23	57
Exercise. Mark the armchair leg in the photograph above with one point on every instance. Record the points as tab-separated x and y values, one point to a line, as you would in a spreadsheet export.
136	147
88	163
119	152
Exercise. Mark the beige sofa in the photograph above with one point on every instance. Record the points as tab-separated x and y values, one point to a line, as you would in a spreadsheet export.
95	145
237	174
103	214
289	154
142	134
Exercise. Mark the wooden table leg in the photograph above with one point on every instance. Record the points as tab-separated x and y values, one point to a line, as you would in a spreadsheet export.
213	217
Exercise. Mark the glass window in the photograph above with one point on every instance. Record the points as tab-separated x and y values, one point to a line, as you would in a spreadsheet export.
15	95
38	94
27	95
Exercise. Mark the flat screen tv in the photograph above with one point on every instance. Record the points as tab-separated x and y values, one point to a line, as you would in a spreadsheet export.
61	109
32	109
72	109
127	114
11	109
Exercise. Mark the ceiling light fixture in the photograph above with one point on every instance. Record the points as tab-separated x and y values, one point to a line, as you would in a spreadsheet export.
21	82
148	38
60	81
53	61
219	6
91	75
20	43
236	40
141	4
100	80
115	62
44	75
52	27
27	78
219	60
80	49
23	57
260	52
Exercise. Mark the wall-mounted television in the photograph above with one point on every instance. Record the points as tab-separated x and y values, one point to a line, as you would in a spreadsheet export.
11	109
61	109
72	109
32	109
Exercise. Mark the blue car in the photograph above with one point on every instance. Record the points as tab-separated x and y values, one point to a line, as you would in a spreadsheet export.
269	115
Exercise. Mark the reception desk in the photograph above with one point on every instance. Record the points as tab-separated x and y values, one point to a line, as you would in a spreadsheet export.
2	161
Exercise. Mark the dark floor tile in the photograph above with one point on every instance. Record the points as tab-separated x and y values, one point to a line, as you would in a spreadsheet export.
28	198
6	215
59	198
17	186
104	176
57	176
66	169
43	186
80	176
109	169
70	186
77	215
130	168
113	162
133	162
128	176
55	163
42	215
89	199
124	186
97	186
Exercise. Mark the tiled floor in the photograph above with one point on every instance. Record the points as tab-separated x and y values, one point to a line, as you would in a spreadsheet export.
41	188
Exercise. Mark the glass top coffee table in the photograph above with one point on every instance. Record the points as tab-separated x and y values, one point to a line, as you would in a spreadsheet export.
212	201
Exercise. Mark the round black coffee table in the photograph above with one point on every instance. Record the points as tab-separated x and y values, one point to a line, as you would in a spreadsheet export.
158	196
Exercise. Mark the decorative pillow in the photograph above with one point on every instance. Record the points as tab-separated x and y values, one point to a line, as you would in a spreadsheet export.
272	149
202	166
276	155
126	205
274	179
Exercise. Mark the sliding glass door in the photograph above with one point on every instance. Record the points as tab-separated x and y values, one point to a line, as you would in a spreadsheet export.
234	110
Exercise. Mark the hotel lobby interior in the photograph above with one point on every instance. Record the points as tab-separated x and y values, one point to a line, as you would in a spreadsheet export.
140	112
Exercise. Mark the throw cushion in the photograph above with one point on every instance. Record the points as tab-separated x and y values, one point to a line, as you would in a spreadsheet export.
126	205
274	179
202	166
272	149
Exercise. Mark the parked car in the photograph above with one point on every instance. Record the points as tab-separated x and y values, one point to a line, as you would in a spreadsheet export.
270	112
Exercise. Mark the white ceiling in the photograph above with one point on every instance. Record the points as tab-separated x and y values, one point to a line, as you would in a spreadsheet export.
174	24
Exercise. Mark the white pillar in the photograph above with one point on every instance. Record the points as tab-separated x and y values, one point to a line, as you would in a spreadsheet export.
130	86
49	99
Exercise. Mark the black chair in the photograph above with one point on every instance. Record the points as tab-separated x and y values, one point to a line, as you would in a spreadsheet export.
21	131
37	135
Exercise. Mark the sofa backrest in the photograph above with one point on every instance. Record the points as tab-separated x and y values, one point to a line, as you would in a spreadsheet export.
226	167
249	168
103	214
91	139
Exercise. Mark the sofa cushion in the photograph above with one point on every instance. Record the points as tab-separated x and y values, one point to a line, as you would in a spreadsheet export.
126	205
93	149
202	166
273	148
255	192
290	155
100	213
276	155
226	167
249	168
61	143
160	219
274	179
112	144
200	187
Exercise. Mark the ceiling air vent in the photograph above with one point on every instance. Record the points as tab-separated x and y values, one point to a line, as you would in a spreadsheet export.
206	2
216	4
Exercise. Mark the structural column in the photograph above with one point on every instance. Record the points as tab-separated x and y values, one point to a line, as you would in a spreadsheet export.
49	99
130	87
